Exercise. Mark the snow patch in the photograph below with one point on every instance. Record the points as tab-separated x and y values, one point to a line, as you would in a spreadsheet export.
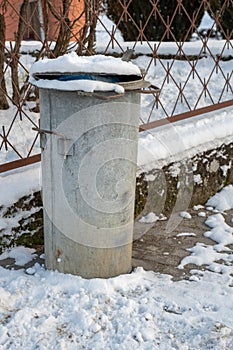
197	179
201	214
21	255
185	215
202	254
149	218
186	234
71	62
13	186
197	207
222	200
172	143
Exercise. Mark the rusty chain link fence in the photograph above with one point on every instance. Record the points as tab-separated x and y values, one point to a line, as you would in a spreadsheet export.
173	46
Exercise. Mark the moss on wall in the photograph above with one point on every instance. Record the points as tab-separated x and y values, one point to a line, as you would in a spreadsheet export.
187	182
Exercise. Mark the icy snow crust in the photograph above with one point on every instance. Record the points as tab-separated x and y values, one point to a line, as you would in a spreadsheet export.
72	63
174	142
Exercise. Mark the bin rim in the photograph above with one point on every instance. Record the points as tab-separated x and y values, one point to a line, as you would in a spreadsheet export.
124	83
128	82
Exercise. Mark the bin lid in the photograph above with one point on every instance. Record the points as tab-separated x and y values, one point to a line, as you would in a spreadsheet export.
85	73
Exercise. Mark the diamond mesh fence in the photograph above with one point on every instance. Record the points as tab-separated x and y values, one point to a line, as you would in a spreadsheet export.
183	47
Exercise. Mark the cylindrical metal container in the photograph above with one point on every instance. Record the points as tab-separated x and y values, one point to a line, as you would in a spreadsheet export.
89	154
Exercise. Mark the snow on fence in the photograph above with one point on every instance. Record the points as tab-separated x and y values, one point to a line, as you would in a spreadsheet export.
192	67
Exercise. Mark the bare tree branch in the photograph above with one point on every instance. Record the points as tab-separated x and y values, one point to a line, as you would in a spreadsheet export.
3	100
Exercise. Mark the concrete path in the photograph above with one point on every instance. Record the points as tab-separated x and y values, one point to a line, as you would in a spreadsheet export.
154	248
162	252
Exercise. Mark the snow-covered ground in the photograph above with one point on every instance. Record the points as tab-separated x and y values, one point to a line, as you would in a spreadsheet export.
142	310
42	309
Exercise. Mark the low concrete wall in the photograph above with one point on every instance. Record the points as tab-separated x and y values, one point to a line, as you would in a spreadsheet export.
184	183
166	189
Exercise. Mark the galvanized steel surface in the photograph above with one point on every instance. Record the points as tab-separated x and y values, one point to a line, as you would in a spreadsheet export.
88	178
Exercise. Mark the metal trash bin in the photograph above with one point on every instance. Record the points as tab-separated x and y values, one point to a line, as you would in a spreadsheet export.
89	154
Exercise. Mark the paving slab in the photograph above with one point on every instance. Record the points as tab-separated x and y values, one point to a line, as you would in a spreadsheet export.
162	251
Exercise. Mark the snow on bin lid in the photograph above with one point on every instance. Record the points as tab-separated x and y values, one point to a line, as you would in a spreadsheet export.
72	63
